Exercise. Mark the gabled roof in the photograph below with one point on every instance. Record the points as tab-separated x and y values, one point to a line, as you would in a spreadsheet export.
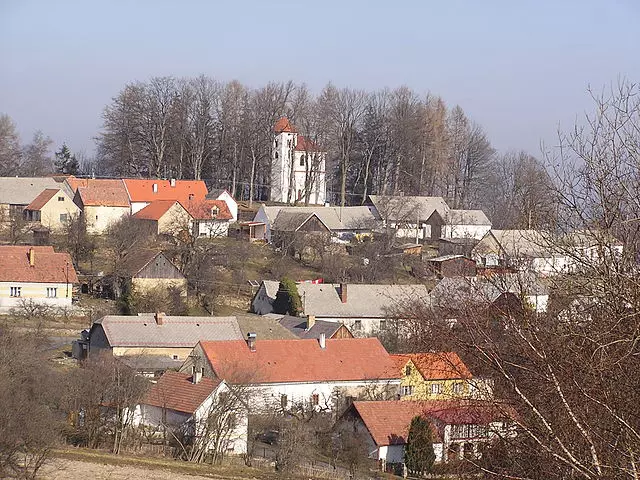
74	183
303	144
133	262
335	218
176	391
103	193
284	125
523	243
298	327
388	422
434	365
300	361
265	327
42	199
175	331
23	190
155	210
202	209
291	221
468	217
141	190
408	208
271	288
363	300
49	266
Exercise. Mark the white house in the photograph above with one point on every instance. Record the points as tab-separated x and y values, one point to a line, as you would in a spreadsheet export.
459	427
101	201
193	403
35	274
141	192
287	374
226	197
52	209
298	167
210	218
472	224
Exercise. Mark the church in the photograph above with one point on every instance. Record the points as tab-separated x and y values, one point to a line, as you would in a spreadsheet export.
298	167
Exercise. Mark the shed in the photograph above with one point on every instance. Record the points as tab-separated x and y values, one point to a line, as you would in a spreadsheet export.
147	269
453	266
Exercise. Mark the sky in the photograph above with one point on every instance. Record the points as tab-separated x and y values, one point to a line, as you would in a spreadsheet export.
521	68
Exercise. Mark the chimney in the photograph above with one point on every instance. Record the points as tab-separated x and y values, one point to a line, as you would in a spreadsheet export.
196	374
159	317
343	292
322	341
172	182
155	188
251	341
32	257
311	321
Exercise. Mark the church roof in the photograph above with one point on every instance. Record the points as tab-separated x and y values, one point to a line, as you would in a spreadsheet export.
283	125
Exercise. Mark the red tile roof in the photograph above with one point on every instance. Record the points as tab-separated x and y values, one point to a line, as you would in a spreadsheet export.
283	125
434	366
388	421
305	145
42	199
104	195
76	183
141	190
176	391
201	210
49	267
155	210
301	360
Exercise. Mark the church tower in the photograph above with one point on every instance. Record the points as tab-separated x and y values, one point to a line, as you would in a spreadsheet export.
293	151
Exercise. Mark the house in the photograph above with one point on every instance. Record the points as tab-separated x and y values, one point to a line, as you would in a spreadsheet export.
226	197
344	223
159	335
187	402
437	376
262	302
473	224
365	309
291	228
287	374
141	192
460	428
250	231
298	167
164	217
35	274
145	270
52	209
210	218
589	248
18	192
101	201
452	266
525	250
310	327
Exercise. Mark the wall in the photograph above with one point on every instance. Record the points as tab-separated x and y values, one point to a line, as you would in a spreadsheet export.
137	206
318	192
99	218
51	211
368	326
174	220
142	285
422	387
182	352
261	216
465	231
36	292
231	203
262	303
213	228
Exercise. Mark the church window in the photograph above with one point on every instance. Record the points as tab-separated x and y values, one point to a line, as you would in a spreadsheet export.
303	159
276	155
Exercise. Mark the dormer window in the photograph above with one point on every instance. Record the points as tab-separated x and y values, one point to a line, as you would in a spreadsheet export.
407	370
155	188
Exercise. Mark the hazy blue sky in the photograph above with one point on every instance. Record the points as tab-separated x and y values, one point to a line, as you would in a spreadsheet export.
519	68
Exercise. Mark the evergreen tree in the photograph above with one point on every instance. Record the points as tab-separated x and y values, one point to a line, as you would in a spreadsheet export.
66	162
287	299
418	451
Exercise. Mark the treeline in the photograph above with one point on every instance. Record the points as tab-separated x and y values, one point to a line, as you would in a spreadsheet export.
385	142
28	160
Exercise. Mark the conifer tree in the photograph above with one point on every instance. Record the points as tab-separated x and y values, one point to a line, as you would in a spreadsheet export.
66	161
418	453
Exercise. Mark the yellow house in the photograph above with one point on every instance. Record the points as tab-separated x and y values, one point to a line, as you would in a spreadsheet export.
53	208
433	376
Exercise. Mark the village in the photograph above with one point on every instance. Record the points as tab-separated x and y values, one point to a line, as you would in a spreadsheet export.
265	330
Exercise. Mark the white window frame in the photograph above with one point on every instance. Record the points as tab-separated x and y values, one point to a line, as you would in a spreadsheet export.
52	292
407	390
436	388
15	292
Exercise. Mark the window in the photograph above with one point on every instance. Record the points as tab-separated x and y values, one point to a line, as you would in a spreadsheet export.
283	401
436	388
383	324
15	291
407	390
63	218
175	357
357	325
315	399
303	159
61	199
457	388
52	292
407	370
276	155
96	218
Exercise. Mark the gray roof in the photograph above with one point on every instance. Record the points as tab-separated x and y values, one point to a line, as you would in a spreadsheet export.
363	301
150	362
408	208
23	190
298	326
175	331
266	328
529	243
291	221
444	258
335	218
467	217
